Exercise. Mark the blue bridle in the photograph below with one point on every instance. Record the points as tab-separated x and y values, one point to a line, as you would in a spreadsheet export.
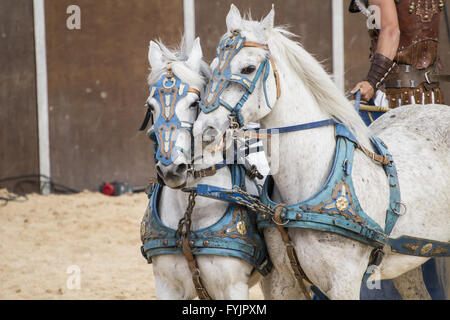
223	76
168	91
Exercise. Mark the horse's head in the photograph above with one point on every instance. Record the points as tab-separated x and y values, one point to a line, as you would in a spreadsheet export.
245	83
175	84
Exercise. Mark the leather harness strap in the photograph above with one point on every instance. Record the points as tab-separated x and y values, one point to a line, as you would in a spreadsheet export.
272	63
193	90
184	231
407	76
195	271
375	157
290	251
276	75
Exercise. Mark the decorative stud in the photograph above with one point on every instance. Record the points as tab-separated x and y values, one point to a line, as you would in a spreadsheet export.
206	243
438	250
342	203
412	6
426	248
165	242
299	216
241	228
411	247
191	243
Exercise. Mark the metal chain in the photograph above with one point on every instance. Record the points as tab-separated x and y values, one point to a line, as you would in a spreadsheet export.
251	202
186	221
184	232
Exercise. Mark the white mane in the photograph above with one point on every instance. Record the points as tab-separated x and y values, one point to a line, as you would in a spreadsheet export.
178	57
328	97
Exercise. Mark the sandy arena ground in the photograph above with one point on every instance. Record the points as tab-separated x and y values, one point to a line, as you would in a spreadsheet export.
45	240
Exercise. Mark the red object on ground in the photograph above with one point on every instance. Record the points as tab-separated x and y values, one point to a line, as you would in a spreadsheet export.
108	189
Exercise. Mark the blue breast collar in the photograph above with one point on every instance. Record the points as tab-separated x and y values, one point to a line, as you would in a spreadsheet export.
234	235
335	207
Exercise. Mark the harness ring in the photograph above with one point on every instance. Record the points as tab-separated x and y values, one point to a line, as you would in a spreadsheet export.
401	204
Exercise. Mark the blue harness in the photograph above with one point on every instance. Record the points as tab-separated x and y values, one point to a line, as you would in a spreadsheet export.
222	77
234	235
335	207
167	92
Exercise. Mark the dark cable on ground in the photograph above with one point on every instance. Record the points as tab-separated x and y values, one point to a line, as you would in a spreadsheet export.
32	179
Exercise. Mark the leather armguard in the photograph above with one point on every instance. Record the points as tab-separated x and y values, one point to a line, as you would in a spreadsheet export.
380	68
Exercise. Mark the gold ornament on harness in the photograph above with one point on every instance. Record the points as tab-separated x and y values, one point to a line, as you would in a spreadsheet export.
411	247
342	203
426	248
241	228
438	250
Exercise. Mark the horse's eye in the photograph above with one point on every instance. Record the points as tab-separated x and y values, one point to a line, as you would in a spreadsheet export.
194	105
248	70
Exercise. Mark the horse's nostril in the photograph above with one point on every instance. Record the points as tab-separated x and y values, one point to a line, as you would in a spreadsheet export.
210	134
181	168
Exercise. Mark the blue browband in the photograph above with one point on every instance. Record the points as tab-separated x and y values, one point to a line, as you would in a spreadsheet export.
168	91
234	235
223	76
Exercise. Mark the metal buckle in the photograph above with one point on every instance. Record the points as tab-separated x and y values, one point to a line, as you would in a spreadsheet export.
234	124
376	256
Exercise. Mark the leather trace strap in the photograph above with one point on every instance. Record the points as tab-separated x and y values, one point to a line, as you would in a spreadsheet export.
290	251
195	271
184	231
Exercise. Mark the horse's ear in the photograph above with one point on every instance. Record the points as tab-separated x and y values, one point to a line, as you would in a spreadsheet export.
268	21
155	56
234	19
214	63
196	55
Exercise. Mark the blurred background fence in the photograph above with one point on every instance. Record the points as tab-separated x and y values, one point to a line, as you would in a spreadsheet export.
97	75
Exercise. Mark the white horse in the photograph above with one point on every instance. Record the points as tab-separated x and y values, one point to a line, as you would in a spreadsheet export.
417	137
223	277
